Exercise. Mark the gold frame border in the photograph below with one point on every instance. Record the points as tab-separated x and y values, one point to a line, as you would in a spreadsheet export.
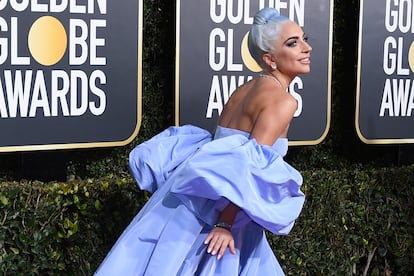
329	99
44	147
358	93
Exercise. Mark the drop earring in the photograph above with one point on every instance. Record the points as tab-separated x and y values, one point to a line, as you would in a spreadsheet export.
273	65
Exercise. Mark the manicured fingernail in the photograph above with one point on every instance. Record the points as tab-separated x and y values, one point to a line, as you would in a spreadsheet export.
208	250
219	257
213	253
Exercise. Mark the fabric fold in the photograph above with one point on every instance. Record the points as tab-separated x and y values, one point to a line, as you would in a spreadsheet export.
151	162
252	176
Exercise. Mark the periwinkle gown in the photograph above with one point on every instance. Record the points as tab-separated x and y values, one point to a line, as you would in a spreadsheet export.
193	176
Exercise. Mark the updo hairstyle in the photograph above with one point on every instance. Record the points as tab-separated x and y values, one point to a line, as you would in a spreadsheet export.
264	33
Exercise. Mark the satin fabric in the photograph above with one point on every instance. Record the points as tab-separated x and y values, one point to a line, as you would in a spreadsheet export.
193	176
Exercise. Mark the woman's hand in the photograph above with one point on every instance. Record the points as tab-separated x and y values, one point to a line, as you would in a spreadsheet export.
218	240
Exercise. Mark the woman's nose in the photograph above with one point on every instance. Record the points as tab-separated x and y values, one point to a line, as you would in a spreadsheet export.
306	47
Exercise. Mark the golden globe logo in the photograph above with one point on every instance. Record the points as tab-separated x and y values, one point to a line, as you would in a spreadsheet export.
47	40
54	65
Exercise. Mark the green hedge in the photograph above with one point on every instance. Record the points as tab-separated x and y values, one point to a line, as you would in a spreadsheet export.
354	222
62	228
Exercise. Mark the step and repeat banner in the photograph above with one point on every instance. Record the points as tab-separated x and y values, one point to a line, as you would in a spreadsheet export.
213	60
71	70
385	83
70	73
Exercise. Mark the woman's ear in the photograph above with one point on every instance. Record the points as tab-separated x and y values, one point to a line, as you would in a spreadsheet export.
268	60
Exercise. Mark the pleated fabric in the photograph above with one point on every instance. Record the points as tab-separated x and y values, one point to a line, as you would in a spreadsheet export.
193	176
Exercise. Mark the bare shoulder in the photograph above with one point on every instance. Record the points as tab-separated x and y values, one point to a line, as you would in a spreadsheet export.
276	112
286	101
261	108
272	98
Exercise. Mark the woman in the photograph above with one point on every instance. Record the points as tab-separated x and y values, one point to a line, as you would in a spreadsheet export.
213	197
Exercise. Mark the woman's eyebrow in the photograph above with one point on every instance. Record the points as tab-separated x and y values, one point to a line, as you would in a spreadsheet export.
295	37
292	37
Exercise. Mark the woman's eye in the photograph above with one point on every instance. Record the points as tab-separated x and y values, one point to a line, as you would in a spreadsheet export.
291	43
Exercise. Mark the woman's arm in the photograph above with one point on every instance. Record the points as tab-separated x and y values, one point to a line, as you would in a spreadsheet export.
229	213
220	237
269	125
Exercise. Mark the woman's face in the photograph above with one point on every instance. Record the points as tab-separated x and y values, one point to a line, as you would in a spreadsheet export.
292	51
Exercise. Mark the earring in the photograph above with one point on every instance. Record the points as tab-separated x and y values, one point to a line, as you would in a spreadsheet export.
273	65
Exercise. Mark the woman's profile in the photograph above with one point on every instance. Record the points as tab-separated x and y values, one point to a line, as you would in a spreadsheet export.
213	196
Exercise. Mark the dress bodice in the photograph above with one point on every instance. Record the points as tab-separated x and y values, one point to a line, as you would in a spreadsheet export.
281	144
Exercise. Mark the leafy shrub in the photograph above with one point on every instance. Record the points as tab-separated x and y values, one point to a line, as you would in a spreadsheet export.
354	222
62	228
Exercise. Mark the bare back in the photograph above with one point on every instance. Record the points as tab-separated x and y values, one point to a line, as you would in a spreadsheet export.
259	107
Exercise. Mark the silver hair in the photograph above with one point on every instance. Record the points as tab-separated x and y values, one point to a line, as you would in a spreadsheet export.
264	33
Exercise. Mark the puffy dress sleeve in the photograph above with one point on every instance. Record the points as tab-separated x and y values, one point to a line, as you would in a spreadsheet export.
252	176
153	161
